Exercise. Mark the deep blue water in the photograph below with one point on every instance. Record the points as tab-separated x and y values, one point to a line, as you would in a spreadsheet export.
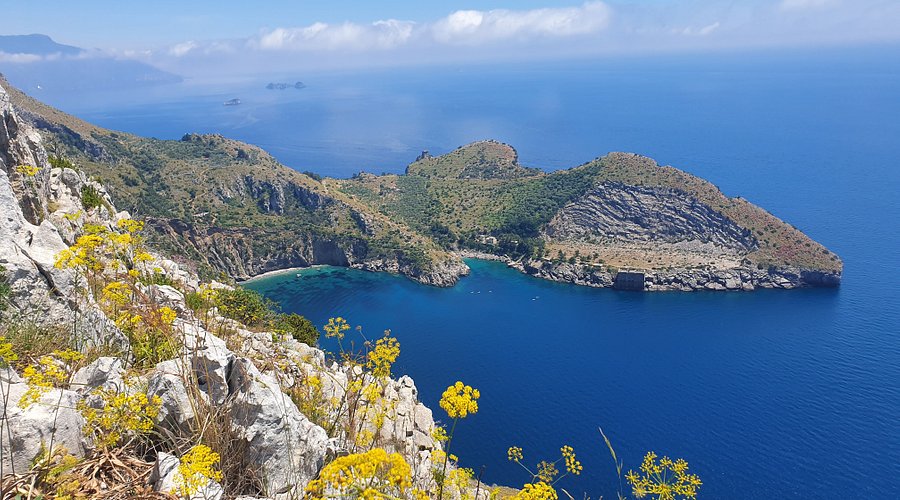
767	394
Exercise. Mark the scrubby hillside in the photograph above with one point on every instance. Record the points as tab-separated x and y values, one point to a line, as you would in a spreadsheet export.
231	207
124	377
618	212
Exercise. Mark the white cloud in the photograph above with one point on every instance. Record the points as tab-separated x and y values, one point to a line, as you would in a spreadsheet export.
474	26
805	4
6	57
347	36
706	30
181	49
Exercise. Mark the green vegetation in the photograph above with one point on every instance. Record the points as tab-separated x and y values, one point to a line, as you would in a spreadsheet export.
90	198
207	192
60	162
298	327
245	306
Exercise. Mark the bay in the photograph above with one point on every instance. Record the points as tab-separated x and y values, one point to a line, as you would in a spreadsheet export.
767	394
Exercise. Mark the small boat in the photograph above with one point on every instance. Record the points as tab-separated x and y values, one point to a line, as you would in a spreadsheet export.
232	102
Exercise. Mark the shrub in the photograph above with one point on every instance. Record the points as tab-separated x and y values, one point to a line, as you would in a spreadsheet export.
90	198
60	162
245	306
298	327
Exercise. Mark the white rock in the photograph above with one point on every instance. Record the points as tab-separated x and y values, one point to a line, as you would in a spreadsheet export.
53	420
288	449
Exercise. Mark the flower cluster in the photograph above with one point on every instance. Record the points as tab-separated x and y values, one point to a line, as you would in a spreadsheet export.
383	355
27	170
536	491
460	400
50	371
514	454
196	469
373	474
667	479
573	466
121	414
7	354
336	327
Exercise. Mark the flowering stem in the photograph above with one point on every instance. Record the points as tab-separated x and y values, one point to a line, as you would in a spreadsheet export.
447	459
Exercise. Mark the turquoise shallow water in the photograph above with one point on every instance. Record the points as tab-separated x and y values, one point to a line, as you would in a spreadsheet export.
768	394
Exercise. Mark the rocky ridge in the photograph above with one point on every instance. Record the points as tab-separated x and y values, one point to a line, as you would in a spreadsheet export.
236	377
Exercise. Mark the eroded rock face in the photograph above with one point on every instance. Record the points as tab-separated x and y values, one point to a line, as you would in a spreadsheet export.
51	420
288	449
616	212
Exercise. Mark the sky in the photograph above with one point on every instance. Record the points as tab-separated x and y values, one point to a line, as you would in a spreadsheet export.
204	36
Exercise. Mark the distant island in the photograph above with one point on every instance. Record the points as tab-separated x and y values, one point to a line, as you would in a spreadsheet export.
232	102
619	221
282	86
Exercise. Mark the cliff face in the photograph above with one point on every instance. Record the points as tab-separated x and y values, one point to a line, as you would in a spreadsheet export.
622	214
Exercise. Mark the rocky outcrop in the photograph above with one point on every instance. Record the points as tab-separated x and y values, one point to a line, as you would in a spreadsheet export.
615	212
686	280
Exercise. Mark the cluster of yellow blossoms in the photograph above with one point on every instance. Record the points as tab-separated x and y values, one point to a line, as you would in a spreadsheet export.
383	355
460	400
336	327
50	371
121	414
196	469
536	491
7	354
667	479
373	474
573	466
27	170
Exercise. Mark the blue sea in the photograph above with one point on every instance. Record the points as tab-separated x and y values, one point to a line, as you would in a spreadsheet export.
770	394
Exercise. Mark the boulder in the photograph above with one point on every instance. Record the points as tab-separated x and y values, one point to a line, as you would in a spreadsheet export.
52	420
105	372
286	447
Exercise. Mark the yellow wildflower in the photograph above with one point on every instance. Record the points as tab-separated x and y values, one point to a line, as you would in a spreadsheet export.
197	468
459	400
514	453
439	434
130	225
336	327
167	315
27	170
537	491
573	466
374	473
7	354
117	293
121	414
666	479
49	372
382	357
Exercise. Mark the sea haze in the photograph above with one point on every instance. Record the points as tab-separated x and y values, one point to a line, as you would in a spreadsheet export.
767	394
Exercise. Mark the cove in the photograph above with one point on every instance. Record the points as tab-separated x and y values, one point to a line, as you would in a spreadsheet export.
767	394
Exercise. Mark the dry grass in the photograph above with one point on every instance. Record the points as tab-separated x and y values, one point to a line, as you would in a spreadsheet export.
109	475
